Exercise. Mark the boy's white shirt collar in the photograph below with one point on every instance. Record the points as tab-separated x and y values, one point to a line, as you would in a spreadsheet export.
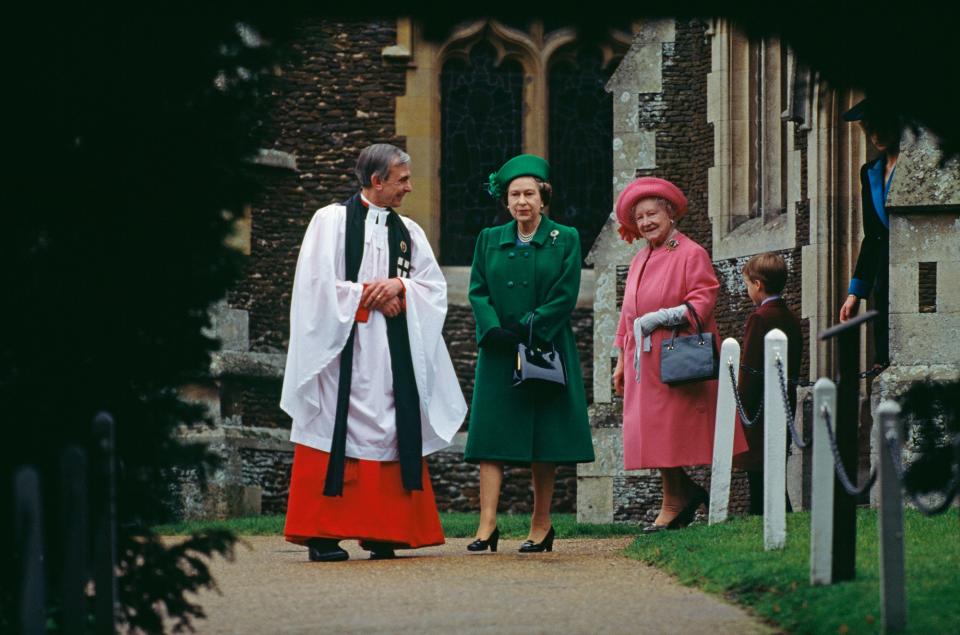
770	299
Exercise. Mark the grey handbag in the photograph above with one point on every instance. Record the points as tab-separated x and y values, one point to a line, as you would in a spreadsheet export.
689	358
536	365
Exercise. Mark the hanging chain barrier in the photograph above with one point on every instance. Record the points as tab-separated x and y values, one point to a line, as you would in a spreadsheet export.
796	436
873	372
745	419
949	494
845	481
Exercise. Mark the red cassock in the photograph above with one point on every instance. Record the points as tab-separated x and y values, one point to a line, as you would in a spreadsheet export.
773	315
374	505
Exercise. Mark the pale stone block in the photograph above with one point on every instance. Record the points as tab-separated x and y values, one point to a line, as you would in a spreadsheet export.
608	450
904	291
721	145
595	499
626	111
415	110
753	237
924	237
231	326
809	283
635	150
716	96
793	177
924	338
242	500
948	287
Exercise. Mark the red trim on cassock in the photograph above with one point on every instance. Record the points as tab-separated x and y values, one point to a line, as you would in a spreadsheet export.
374	505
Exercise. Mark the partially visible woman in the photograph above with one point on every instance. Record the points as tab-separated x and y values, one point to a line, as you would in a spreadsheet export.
526	270
664	426
872	273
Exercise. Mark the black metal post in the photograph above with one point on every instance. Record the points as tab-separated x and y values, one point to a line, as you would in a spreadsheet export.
28	532
73	471
105	550
846	424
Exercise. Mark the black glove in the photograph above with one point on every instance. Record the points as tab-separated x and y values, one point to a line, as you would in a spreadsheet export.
500	339
520	330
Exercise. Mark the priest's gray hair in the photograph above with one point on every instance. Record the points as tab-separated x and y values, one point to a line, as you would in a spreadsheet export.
378	159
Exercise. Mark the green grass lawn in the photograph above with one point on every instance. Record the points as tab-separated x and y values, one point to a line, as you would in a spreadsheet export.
455	525
729	559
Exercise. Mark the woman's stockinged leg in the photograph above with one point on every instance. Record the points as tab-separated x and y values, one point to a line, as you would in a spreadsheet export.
544	477
491	477
674	494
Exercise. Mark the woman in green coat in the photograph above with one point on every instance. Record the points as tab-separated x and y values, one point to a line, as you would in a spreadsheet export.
527	269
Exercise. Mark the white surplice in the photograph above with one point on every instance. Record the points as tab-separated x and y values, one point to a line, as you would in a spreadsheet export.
322	312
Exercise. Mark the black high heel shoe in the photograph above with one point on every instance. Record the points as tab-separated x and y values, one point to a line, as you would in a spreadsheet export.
491	541
686	515
546	544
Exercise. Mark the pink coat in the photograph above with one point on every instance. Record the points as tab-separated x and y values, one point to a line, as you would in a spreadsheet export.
668	426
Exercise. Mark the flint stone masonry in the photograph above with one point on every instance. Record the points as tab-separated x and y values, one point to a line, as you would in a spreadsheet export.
456	484
919	180
233	488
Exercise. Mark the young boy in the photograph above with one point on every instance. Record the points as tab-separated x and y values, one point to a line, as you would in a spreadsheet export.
765	276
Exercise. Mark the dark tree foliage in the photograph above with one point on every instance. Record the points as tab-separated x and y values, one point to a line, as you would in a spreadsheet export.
129	133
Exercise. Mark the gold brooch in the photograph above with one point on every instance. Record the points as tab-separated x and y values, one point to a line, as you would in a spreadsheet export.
672	244
403	246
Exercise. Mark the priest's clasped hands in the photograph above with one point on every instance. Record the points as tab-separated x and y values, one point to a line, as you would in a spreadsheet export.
384	295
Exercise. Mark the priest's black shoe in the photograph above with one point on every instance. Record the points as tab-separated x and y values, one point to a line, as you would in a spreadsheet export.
546	544
491	542
379	550
326	550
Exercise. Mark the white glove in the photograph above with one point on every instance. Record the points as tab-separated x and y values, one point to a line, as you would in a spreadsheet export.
647	323
673	316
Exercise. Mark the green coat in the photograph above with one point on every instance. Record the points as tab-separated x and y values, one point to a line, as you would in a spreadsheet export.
508	283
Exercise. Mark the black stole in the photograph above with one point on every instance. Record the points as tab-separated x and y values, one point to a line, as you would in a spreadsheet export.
405	394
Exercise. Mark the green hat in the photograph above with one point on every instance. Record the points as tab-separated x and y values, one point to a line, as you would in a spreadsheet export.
520	165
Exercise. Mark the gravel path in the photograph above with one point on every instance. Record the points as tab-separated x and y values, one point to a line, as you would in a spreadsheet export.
584	586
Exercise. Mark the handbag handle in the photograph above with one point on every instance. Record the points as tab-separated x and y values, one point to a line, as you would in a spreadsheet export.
696	318
530	336
697	322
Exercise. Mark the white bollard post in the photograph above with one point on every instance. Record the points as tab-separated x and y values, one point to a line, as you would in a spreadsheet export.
893	593
723	432
774	443
821	494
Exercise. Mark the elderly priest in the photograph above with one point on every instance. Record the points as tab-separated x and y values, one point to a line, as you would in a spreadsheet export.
368	381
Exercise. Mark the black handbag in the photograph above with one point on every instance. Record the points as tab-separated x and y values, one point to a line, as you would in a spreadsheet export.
689	358
536	365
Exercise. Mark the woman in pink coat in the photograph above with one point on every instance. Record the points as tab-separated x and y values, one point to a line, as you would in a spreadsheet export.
664	426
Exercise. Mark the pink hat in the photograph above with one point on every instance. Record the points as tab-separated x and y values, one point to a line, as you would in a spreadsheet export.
646	187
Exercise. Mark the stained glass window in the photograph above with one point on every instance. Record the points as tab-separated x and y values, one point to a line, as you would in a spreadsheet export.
581	137
481	109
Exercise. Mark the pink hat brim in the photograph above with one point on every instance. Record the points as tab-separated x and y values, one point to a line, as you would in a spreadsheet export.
646	187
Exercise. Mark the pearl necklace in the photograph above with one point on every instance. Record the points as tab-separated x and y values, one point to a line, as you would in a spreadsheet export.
525	238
